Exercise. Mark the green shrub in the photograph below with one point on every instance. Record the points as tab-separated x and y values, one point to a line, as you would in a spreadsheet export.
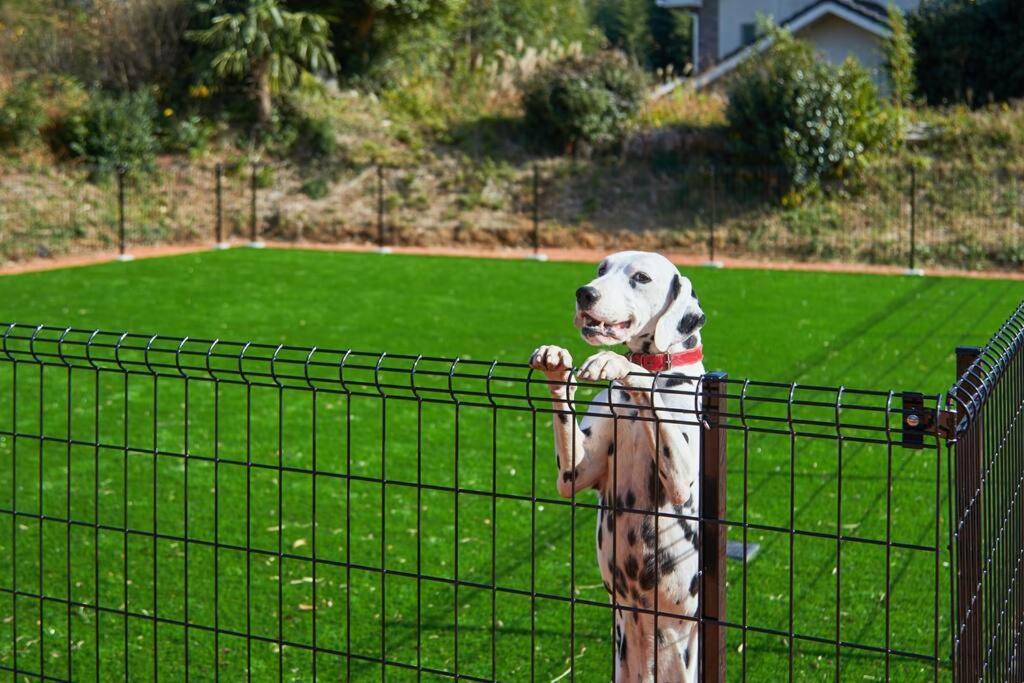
294	132
590	99
184	134
815	120
21	114
113	129
315	187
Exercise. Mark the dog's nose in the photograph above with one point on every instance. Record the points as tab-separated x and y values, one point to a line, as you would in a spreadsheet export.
586	296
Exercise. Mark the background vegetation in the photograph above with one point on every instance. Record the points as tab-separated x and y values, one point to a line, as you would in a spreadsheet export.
465	97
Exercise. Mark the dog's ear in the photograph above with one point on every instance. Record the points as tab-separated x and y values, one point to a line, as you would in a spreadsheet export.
682	316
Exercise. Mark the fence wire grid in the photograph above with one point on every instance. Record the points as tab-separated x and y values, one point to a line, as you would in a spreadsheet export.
178	508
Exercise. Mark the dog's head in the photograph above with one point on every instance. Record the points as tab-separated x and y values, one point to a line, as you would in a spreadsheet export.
639	299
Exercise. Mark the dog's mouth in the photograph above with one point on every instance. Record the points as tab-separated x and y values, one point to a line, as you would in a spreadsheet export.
593	327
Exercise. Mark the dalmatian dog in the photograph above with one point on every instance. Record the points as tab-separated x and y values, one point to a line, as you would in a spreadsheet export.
649	564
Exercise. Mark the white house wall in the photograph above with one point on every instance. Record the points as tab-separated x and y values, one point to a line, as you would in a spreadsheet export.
735	13
837	40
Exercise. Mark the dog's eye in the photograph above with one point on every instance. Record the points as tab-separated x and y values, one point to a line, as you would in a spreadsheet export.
602	269
642	278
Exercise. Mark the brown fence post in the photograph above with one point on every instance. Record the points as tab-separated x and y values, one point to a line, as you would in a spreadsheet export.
712	510
968	655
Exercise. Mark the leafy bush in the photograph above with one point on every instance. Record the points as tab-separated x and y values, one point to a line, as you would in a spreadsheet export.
590	99
21	114
315	187
186	134
111	130
969	51
295	132
817	121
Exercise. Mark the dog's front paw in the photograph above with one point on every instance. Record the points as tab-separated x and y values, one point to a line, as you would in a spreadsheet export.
553	361
605	365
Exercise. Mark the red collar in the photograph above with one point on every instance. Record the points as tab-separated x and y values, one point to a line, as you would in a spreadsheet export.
659	362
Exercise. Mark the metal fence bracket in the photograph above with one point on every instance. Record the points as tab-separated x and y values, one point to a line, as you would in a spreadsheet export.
919	421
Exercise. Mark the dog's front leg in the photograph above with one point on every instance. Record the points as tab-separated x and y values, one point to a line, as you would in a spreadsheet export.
676	455
576	471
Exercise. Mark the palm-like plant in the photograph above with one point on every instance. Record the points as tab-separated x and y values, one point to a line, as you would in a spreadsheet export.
269	46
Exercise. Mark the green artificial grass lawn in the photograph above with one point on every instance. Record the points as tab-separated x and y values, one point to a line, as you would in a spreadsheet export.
858	331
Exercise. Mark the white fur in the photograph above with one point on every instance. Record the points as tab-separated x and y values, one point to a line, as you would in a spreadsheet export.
647	318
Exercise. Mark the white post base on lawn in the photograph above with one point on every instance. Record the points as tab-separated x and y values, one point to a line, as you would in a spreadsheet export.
257	245
916	272
537	257
383	250
714	264
222	245
125	257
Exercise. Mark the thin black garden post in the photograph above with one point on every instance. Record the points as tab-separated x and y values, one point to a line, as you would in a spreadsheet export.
254	242
380	210
911	268
122	252
712	532
967	525
535	205
713	190
219	173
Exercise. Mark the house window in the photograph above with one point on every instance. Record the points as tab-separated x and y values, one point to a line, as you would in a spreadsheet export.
748	33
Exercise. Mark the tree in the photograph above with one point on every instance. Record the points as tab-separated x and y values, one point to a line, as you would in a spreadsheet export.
270	47
899	59
654	36
969	50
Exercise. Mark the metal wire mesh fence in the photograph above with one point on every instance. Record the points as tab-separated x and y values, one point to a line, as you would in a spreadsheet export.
186	508
898	215
987	517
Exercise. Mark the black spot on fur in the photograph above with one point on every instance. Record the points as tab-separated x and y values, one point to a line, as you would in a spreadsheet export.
647	530
563	418
631	567
622	649
694	584
646	348
656	566
676	380
608	589
686	657
624	396
634	413
690	323
630	499
600	540
586	431
655	491
611	448
631	537
636	617
673	290
690	342
666	452
570	475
